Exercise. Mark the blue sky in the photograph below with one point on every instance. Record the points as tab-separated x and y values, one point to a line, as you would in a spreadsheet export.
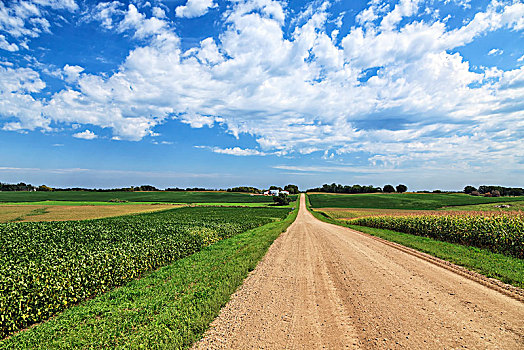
222	93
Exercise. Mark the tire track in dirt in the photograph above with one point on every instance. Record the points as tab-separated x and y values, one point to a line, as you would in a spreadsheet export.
326	286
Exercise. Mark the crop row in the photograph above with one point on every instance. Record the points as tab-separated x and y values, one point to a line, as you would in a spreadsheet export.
501	233
46	266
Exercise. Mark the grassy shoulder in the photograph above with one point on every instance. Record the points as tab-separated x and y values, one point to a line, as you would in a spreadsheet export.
507	269
169	308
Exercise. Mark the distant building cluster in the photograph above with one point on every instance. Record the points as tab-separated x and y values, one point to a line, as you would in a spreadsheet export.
275	192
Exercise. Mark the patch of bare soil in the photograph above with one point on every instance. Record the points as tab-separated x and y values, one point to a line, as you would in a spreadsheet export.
72	212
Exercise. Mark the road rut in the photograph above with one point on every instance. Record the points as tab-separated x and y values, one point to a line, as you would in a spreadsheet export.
325	286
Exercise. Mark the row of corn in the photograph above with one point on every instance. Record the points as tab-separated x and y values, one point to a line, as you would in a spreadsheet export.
502	233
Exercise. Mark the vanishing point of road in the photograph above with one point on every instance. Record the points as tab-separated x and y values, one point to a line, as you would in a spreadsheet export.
322	286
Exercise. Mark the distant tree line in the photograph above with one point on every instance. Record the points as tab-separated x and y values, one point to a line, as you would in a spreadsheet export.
494	191
17	187
338	188
28	187
292	189
246	189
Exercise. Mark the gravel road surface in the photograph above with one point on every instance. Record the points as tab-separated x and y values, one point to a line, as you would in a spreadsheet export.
322	286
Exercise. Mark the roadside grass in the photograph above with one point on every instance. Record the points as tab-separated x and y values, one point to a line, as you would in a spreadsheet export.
158	196
504	268
411	201
168	309
26	213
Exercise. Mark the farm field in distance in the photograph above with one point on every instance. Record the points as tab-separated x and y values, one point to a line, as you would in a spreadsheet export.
156	196
26	213
408	201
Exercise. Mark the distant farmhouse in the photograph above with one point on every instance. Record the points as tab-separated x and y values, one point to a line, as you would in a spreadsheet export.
275	192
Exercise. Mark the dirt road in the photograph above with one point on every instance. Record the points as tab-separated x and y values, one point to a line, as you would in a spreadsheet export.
322	286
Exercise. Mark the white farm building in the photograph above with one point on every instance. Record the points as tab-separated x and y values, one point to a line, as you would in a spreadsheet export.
275	192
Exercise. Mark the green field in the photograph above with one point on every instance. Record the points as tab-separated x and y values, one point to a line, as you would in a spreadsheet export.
411	201
106	204
160	196
167	309
47	266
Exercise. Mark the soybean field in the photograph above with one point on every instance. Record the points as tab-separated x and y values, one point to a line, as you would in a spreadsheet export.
47	266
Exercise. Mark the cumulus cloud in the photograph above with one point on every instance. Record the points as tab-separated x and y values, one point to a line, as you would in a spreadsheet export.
86	135
27	19
5	45
72	73
194	8
394	87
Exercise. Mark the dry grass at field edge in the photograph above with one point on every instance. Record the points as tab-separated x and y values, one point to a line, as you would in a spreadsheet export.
27	213
512	208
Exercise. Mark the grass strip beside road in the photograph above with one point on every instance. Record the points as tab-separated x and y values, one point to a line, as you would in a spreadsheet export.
504	268
170	308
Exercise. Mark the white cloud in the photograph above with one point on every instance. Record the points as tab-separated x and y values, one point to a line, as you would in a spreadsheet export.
5	45
495	52
302	92
26	19
237	151
72	73
194	8
16	101
104	13
86	135
198	121
58	4
159	12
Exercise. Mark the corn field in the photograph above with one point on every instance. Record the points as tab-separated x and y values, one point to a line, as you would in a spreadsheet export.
500	233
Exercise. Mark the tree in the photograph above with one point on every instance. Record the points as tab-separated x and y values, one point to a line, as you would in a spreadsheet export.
402	188
44	188
275	188
388	189
292	189
281	199
468	189
247	189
